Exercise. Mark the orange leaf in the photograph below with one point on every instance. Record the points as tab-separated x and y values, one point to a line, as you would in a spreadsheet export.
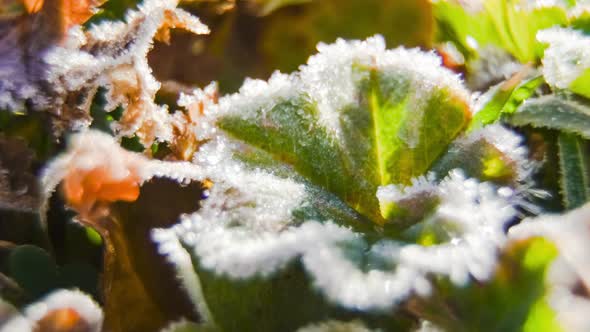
32	6
62	320
83	188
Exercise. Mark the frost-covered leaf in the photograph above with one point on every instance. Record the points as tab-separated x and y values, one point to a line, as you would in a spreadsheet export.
492	153
123	195
321	206
574	173
509	25
25	40
355	118
569	274
62	310
563	113
565	61
508	301
111	55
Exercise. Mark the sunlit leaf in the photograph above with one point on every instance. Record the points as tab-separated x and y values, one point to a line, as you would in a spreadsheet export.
510	301
505	99
509	25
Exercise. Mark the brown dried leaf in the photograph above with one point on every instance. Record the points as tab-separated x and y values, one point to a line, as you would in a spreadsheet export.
65	73
123	196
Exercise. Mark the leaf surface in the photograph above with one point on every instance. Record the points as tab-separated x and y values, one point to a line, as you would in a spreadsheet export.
574	179
562	113
390	132
500	23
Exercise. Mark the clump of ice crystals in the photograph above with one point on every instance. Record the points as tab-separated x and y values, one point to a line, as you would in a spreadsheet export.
109	55
567	56
233	236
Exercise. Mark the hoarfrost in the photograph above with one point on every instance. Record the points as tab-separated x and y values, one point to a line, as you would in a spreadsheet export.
330	82
244	245
508	143
109	55
472	214
247	226
96	154
171	248
567	56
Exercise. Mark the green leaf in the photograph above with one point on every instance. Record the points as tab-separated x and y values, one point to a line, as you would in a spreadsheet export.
511	301
481	159
387	136
581	85
564	113
283	303
34	270
292	228
137	280
186	326
500	23
542	318
505	100
574	180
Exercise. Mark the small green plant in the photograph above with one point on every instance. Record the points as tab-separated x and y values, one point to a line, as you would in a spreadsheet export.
371	189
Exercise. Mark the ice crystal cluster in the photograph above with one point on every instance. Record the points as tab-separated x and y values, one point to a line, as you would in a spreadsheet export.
109	55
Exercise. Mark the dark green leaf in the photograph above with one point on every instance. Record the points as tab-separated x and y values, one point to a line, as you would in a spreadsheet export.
34	270
567	114
574	181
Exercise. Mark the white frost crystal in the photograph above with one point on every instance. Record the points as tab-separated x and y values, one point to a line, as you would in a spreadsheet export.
330	81
567	56
243	244
474	215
